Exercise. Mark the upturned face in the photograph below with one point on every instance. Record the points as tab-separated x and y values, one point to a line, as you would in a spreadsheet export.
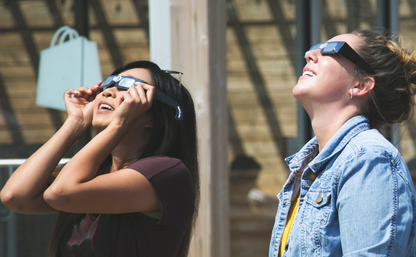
326	79
110	99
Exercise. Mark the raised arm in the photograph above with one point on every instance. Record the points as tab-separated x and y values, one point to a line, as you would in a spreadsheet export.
77	189
24	190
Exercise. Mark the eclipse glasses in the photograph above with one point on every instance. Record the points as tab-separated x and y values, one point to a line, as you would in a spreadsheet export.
125	82
343	49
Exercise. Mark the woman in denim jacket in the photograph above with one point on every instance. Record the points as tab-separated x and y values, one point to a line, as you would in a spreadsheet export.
350	192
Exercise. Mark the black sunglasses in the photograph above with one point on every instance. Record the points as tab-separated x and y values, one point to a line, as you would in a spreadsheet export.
343	49
125	82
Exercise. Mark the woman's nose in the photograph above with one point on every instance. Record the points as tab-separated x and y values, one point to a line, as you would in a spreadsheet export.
312	55
110	92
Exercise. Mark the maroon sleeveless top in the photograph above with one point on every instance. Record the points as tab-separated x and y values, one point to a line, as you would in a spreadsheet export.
135	234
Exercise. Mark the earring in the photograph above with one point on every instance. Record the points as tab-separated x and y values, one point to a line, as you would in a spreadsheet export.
352	93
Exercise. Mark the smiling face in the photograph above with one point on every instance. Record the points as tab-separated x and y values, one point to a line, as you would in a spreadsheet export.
110	99
326	79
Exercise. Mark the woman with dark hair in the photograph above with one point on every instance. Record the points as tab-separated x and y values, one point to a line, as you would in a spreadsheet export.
350	192
133	189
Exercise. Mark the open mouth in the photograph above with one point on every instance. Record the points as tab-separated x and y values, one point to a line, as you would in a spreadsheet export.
308	73
105	107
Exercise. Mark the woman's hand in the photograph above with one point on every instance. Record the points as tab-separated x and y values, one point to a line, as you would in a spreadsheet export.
79	103
135	102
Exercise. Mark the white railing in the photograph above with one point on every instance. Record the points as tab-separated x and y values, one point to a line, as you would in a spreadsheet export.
18	162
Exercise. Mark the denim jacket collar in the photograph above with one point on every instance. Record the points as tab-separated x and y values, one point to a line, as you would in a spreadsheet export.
350	129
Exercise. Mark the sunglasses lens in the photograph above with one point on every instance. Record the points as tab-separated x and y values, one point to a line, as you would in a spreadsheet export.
314	47
126	83
331	48
107	82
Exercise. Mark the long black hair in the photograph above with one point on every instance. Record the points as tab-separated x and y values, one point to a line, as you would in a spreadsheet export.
170	137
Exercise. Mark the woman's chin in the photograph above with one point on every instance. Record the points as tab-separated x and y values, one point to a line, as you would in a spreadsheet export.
298	93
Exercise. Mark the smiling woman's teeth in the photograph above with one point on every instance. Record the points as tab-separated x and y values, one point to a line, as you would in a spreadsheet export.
106	106
309	73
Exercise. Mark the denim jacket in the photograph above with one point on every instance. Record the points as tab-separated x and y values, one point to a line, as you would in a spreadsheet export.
356	198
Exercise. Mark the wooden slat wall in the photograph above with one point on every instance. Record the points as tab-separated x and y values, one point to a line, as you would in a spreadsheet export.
259	83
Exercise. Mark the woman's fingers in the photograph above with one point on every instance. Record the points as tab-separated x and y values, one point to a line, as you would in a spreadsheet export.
137	99
150	92
71	92
140	92
79	92
94	90
145	92
85	92
88	93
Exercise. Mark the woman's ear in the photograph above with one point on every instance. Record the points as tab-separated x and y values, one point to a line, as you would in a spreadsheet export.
363	86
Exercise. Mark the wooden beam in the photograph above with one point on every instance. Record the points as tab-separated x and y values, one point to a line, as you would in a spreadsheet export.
198	48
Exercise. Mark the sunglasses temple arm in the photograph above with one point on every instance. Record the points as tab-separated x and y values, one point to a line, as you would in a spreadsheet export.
355	58
161	97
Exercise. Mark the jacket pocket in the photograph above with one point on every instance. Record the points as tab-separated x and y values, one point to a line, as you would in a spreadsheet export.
316	211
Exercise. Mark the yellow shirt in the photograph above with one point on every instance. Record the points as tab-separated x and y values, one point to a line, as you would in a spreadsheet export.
291	217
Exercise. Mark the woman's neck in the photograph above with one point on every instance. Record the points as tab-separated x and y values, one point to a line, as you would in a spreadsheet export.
129	148
325	125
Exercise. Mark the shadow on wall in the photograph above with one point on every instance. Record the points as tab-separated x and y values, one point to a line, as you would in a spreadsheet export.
244	193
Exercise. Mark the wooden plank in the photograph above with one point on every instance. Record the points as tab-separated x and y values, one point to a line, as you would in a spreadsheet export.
17	71
32	10
202	25
253	114
39	136
119	12
253	10
5	138
132	36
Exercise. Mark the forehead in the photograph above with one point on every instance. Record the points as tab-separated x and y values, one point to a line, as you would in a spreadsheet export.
138	73
352	40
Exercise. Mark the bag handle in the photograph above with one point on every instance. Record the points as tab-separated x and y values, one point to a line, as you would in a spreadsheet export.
66	32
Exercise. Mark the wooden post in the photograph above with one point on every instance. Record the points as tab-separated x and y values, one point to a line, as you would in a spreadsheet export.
198	48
